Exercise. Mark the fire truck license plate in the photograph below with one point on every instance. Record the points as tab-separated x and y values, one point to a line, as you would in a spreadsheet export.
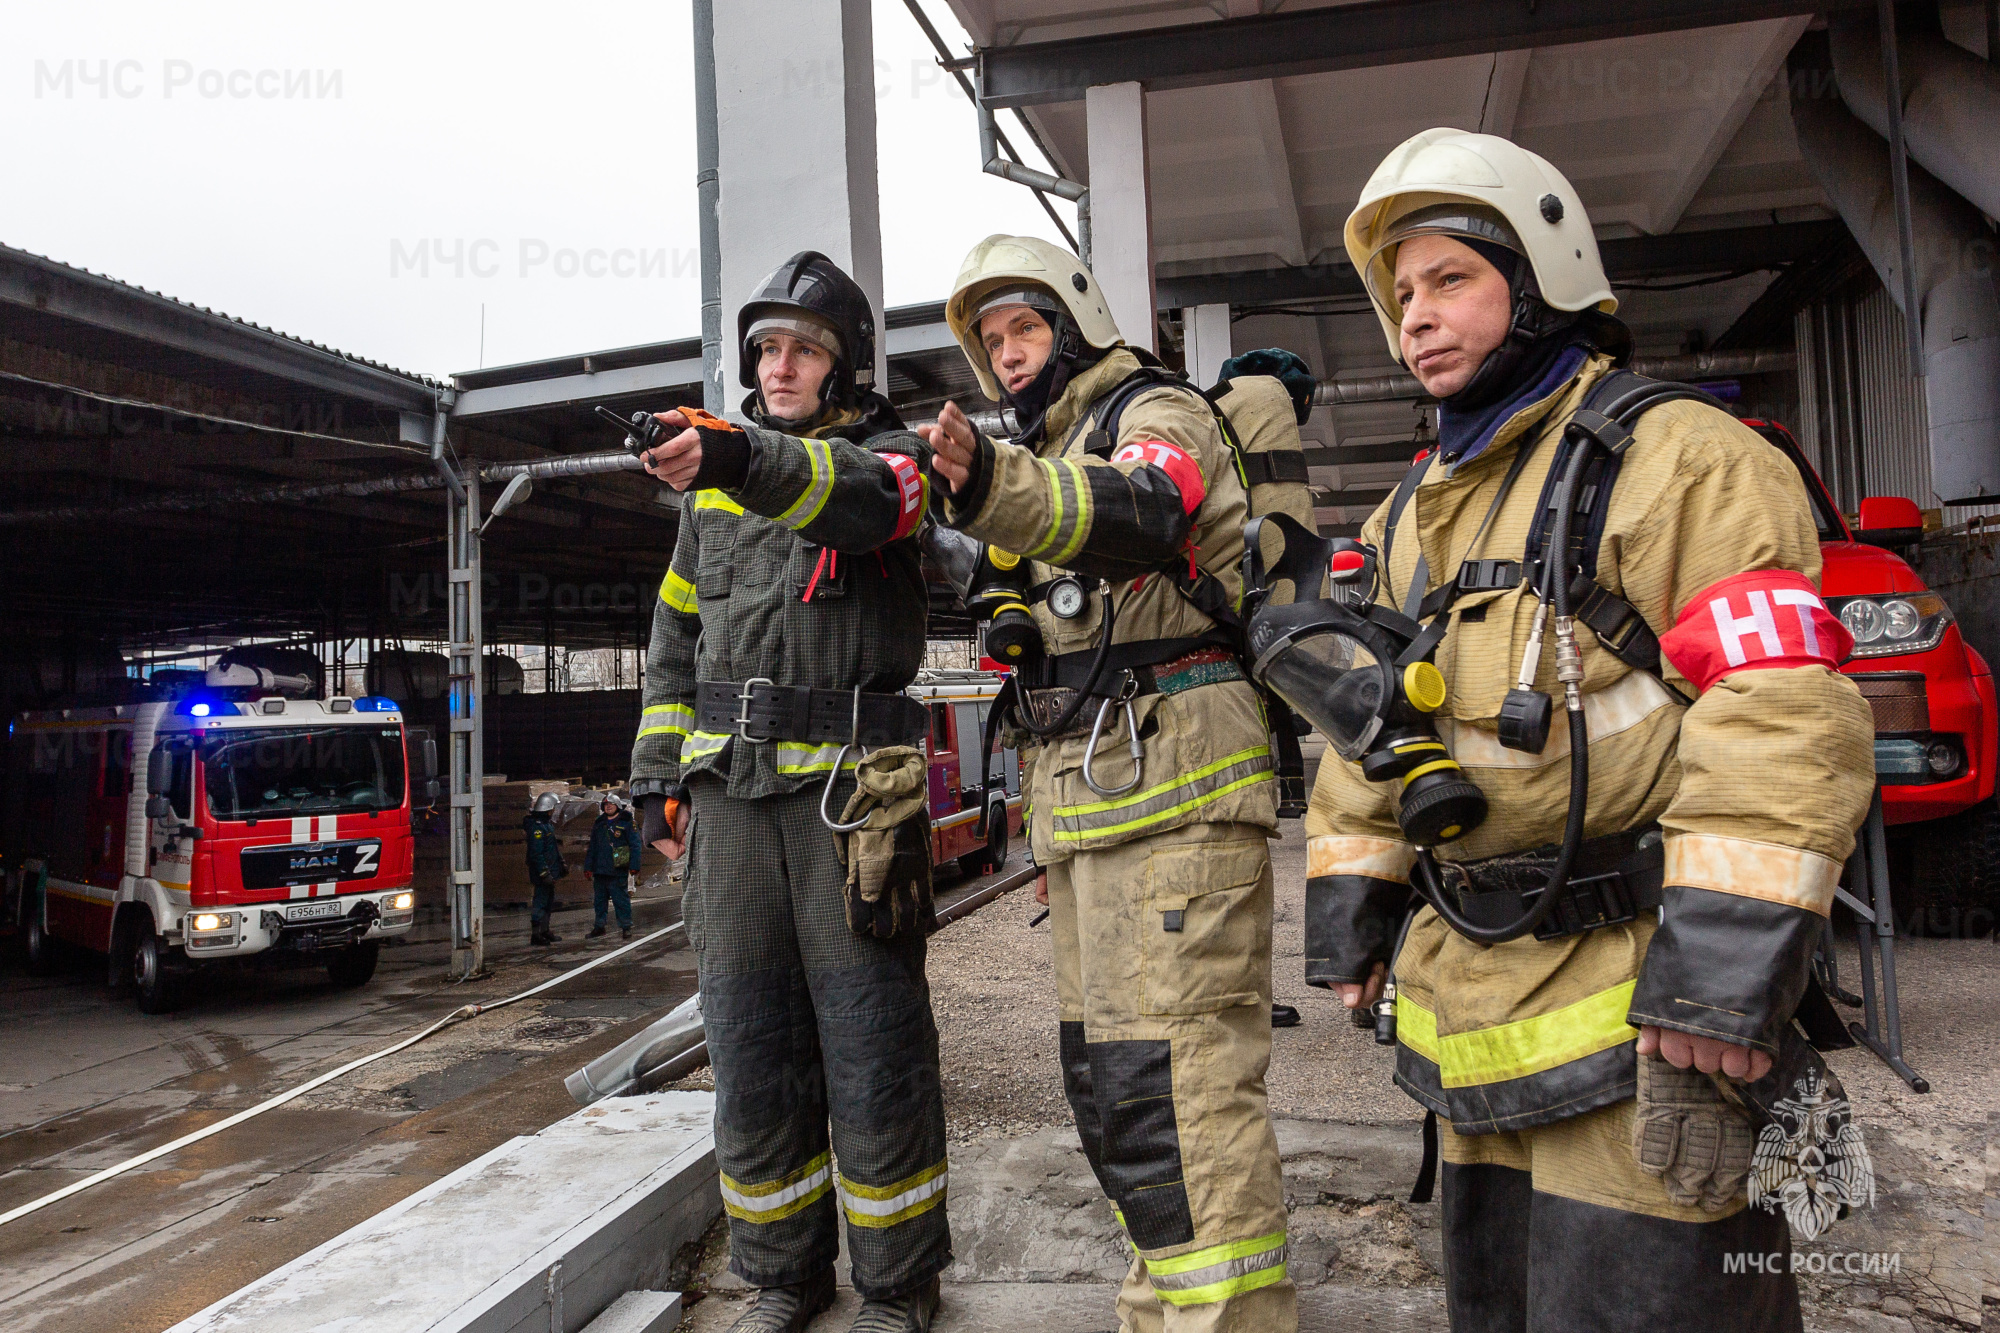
311	863
314	911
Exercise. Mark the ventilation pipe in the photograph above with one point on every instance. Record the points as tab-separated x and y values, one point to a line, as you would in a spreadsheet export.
1953	278
1951	105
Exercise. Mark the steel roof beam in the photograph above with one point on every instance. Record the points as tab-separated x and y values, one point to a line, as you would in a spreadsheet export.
1359	36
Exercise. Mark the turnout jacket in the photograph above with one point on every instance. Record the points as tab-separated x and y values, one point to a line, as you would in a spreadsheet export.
806	573
1164	493
1758	783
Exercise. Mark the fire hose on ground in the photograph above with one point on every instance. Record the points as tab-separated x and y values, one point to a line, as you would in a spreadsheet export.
666	1050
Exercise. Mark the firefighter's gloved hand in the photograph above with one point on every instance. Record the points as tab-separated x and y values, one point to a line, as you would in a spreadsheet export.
888	860
1686	1133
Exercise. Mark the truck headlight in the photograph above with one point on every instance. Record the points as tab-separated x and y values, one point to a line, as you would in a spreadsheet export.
402	902
211	921
1911	622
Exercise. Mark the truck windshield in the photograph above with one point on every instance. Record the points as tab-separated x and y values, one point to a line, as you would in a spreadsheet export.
266	773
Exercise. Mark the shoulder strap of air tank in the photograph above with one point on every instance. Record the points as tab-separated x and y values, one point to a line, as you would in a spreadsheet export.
1616	622
1110	407
1399	501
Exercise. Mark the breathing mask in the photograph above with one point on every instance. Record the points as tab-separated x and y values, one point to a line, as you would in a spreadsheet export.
993	584
1359	672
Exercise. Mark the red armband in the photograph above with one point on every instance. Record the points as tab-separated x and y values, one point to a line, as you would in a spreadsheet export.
1754	621
1173	460
913	489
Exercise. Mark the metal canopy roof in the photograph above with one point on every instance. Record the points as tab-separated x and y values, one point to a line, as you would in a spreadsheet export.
1671	117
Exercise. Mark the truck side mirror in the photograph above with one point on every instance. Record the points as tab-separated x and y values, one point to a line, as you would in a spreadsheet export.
159	807
159	778
427	759
1890	521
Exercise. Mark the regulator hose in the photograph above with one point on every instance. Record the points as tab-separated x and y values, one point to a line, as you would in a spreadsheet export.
1106	623
1424	874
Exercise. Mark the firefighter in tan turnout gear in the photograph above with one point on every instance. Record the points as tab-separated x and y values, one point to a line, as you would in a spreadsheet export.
788	625
1153	837
1599	1064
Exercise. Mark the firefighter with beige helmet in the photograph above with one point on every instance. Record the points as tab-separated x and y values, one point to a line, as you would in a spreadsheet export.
1118	510
1622	849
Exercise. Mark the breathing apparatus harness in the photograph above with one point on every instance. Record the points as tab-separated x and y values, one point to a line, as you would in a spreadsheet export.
1575	501
998	590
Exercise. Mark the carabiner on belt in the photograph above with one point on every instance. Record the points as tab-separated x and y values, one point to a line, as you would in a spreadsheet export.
1124	701
826	793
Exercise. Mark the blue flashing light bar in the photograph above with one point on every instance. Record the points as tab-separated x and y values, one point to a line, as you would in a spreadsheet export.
375	703
204	705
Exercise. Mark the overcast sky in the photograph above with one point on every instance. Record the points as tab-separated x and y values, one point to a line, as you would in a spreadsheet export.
346	173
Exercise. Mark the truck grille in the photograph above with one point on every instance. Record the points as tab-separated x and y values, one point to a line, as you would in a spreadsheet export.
1898	700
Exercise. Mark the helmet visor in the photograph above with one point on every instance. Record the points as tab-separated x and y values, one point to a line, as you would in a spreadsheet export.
1460	220
798	326
1334	682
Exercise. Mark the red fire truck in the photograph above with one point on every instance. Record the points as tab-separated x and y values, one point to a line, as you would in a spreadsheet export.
959	702
180	835
1937	745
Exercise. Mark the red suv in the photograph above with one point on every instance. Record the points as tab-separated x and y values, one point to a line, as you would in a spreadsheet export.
1933	699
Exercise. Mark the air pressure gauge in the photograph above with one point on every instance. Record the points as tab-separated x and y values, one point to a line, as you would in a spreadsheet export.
1067	598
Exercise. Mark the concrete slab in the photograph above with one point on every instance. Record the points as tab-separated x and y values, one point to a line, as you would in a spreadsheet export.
543	1232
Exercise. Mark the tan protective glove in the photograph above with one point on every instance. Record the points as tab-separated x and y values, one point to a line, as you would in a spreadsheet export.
888	859
1688	1135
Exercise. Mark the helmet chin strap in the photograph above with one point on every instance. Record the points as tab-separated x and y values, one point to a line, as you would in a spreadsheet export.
1533	320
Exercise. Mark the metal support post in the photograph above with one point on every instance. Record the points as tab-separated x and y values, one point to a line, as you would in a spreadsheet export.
1867	896
465	647
1899	176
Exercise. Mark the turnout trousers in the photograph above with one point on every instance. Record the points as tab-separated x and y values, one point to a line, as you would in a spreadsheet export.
1555	1229
810	1024
1163	969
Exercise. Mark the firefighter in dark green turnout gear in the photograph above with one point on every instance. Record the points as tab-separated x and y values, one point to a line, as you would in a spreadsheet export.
787	627
545	866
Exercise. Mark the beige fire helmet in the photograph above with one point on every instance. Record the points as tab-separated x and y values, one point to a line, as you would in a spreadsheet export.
1016	266
1451	182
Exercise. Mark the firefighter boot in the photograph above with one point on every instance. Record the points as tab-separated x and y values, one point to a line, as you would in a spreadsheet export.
543	935
912	1312
787	1309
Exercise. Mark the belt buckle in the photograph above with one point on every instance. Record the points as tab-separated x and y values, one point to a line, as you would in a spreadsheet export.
1589	903
743	719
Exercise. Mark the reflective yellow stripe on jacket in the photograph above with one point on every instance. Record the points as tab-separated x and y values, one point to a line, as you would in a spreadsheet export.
701	744
1167	801
1220	1271
666	720
812	759
678	594
806	508
1521	1048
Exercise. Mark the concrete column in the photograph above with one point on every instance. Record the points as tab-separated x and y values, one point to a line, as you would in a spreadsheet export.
795	129
1208	342
1121	206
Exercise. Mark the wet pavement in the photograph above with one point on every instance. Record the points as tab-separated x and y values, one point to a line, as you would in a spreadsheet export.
87	1081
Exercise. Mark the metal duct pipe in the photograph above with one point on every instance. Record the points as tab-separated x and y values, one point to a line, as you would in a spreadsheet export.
654	1057
993	164
1699	365
1953	277
708	198
1951	105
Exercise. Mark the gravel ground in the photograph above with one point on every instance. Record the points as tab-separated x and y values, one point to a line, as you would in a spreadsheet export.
993	989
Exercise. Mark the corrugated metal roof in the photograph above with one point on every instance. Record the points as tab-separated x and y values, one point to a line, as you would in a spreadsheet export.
8	252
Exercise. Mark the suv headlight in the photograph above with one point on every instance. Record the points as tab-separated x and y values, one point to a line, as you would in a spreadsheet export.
1903	623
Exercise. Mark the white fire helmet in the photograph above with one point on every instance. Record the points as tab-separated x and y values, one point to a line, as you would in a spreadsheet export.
1455	183
1022	270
